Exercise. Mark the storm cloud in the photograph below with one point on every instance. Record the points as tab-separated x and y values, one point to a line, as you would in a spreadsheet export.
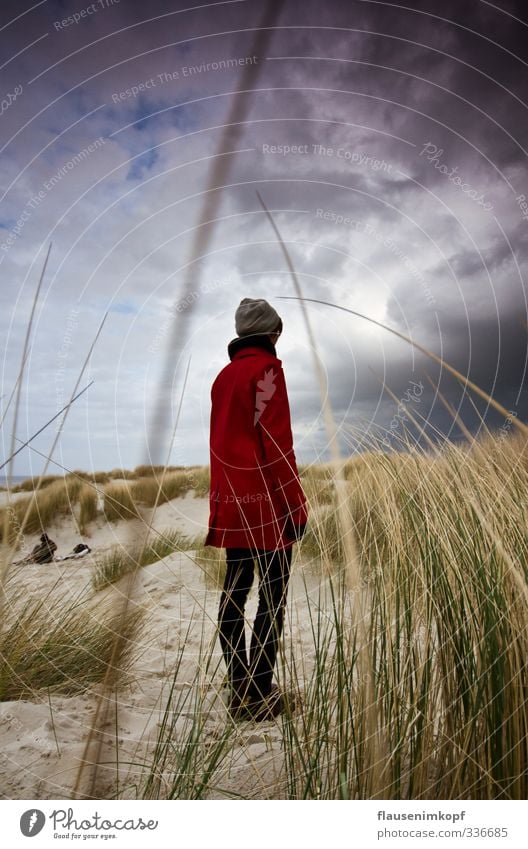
389	144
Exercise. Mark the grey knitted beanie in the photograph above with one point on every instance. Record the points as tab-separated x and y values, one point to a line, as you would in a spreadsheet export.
255	315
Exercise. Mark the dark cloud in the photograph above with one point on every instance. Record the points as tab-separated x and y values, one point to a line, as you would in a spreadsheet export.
389	141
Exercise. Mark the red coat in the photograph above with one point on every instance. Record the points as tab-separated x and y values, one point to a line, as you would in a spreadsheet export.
255	491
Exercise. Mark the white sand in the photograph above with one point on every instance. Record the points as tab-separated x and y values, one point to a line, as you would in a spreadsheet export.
42	742
10	497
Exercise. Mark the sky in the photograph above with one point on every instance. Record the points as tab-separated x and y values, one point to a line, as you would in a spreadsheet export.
389	144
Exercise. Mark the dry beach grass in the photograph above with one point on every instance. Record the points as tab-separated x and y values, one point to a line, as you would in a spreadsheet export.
443	553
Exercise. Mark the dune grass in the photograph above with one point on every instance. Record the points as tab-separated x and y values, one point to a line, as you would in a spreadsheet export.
58	495
119	503
120	474
148	490
212	563
88	499
91	477
76	494
42	509
53	644
318	484
199	480
442	542
119	561
189	754
122	501
146	471
443	548
30	483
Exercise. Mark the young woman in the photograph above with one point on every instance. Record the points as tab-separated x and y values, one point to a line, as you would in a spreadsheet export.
257	505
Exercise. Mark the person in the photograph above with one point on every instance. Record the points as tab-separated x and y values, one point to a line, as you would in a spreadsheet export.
44	551
80	550
258	508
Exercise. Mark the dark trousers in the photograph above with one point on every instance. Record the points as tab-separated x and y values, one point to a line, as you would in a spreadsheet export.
253	676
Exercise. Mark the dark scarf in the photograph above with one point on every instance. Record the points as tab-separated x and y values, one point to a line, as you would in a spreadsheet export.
255	340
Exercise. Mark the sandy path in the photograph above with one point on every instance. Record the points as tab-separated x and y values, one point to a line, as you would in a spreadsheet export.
42	740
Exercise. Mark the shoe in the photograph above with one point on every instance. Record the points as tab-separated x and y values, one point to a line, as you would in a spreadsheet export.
239	711
273	705
238	706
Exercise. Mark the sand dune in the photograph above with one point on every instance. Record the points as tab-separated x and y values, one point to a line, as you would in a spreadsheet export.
42	739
